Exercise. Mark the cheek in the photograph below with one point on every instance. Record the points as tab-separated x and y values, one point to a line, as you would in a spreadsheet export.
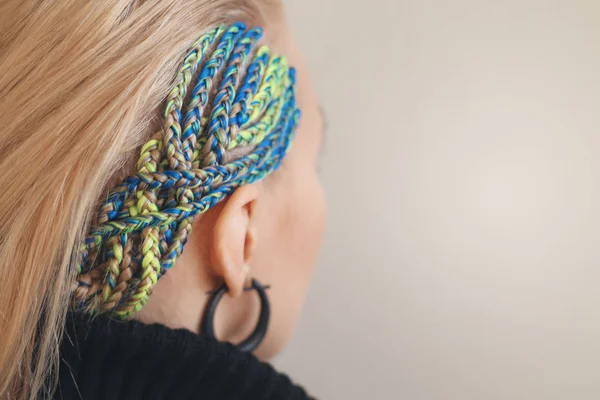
306	217
291	224
294	216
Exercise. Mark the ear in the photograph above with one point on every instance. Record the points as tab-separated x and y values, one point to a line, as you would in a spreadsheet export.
233	238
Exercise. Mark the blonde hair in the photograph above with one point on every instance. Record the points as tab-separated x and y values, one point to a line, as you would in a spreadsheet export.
80	89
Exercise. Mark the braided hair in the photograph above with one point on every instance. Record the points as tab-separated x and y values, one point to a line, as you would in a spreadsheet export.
242	98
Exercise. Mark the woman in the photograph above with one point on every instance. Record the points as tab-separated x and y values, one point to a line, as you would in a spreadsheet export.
132	129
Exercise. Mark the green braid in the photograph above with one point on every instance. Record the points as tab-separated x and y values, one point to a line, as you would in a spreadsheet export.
145	221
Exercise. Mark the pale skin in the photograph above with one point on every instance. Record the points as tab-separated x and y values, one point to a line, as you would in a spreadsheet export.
270	230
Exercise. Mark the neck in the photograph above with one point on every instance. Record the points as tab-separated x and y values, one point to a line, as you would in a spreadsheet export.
180	298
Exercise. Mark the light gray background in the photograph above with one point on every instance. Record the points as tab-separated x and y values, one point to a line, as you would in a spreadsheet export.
462	259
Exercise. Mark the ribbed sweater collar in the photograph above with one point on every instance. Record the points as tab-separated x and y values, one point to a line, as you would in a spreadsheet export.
108	359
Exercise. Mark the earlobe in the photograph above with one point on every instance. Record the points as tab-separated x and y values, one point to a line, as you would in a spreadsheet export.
234	238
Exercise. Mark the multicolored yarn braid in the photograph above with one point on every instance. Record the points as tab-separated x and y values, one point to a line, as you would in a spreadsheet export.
183	170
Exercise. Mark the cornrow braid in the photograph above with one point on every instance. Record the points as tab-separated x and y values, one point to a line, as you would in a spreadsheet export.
183	171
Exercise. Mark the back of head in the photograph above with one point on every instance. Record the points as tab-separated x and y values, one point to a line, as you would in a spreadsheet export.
81	87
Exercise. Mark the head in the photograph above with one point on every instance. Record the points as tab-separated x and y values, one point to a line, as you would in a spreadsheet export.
83	92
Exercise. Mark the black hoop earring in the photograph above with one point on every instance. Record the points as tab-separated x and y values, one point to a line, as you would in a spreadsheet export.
256	337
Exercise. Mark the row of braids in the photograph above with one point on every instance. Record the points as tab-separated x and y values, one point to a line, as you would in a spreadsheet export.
242	98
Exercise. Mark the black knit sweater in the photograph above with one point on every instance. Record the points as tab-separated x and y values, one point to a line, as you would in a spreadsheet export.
107	359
